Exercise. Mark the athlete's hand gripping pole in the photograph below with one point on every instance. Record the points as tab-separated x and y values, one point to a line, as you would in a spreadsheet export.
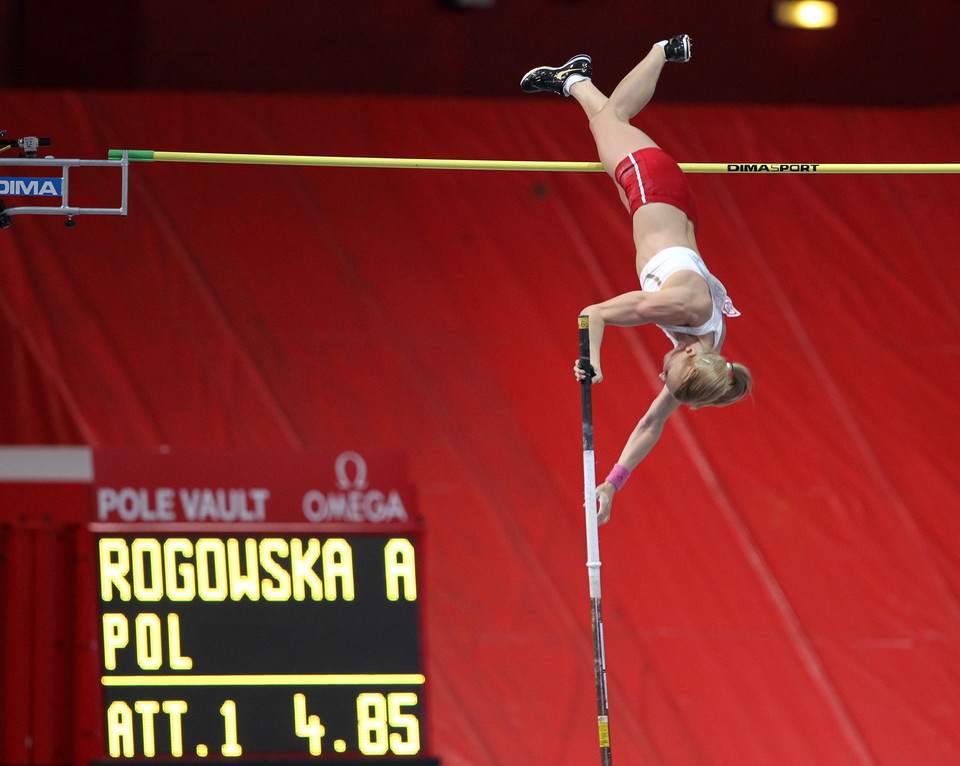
593	541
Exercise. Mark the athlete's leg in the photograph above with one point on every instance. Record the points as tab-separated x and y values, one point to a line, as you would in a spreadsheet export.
610	117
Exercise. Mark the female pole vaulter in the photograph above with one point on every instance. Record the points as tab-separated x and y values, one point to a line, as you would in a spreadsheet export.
677	293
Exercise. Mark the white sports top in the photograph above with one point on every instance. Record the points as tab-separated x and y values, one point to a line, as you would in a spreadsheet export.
673	259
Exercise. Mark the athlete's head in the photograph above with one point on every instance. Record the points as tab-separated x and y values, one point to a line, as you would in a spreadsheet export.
703	378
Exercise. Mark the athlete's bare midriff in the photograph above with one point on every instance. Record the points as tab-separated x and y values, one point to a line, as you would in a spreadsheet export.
657	226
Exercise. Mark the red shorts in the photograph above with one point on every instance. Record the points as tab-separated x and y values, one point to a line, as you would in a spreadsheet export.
652	175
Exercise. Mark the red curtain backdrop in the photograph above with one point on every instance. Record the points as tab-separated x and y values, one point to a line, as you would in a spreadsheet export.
780	577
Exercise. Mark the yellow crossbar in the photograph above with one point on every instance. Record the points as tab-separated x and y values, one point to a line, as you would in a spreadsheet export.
450	164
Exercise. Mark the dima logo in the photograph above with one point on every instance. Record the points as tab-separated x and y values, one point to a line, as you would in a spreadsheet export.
31	187
772	168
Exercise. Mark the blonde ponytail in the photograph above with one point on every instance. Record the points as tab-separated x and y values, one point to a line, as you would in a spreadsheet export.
712	381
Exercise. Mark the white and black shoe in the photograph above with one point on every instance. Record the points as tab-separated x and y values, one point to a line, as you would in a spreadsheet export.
679	48
552	79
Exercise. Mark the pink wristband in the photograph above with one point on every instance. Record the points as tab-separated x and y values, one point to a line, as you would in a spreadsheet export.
618	476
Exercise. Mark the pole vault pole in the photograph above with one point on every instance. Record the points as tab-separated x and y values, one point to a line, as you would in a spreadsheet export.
593	542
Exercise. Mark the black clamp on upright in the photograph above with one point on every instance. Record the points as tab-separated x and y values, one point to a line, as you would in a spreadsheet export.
28	146
28	149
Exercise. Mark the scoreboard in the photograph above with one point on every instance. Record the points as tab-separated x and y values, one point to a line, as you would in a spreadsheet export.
271	644
255	608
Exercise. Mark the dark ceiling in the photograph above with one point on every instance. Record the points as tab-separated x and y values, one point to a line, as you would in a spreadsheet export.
882	52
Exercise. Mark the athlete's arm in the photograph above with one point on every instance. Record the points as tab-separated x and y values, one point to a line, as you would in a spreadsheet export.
669	307
638	446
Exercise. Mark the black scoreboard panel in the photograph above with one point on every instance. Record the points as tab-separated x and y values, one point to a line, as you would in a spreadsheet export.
238	647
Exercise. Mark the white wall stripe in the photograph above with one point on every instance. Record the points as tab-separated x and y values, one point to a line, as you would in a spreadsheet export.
53	464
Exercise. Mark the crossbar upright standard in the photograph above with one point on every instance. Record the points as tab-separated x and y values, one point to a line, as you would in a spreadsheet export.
56	187
593	543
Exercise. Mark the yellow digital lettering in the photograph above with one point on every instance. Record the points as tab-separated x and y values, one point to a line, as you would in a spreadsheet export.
147	710
120	730
149	644
248	583
211	549
230	747
306	726
146	563
174	710
302	571
372	731
279	590
408	743
114	568
338	563
178	577
116	635
177	660
400	562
